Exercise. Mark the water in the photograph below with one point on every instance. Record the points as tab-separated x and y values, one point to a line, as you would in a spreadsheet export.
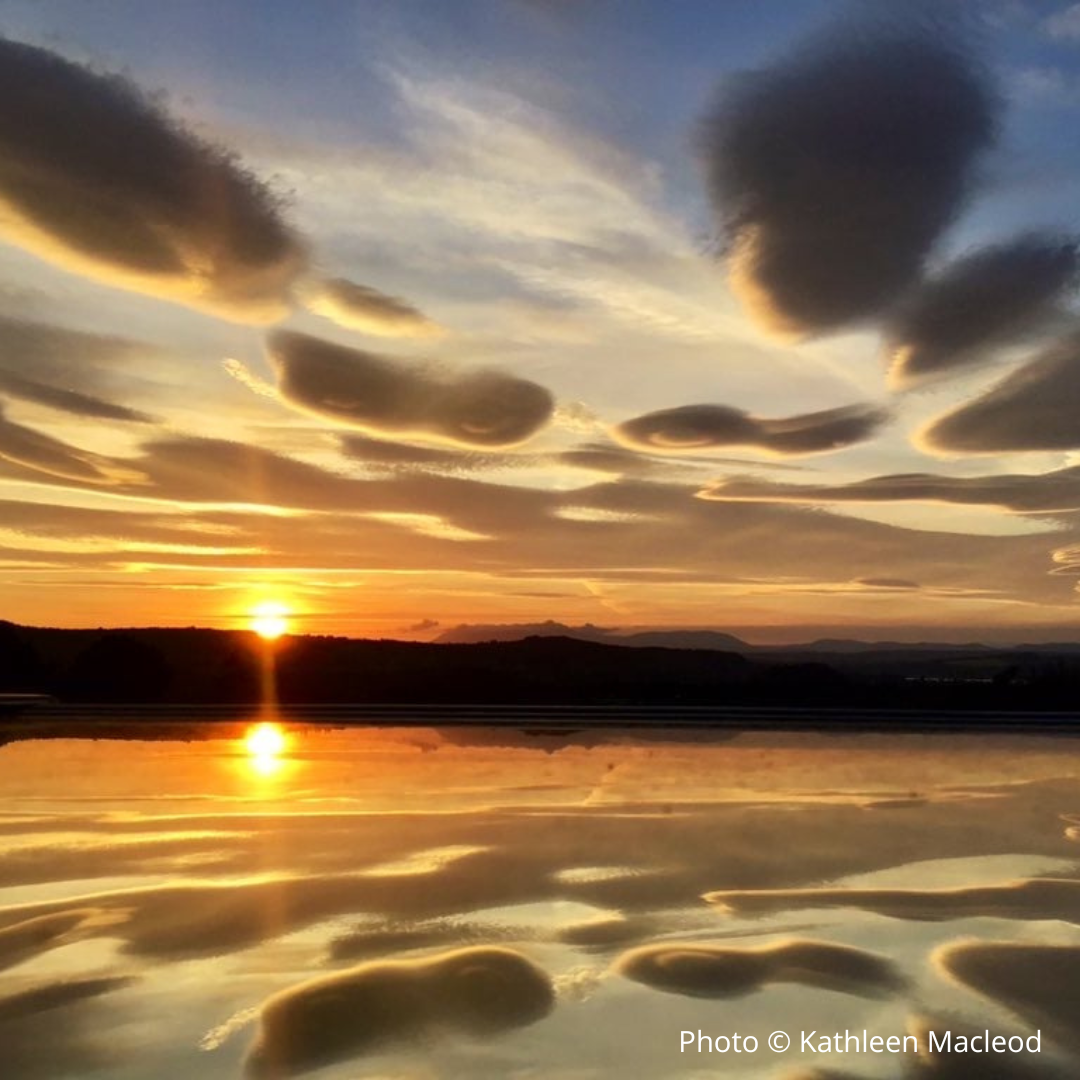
481	902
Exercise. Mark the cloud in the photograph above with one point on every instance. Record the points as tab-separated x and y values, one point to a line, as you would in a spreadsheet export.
989	297
423	625
69	401
99	180
712	971
1033	408
701	427
38	452
382	396
1041	493
833	172
397	455
1064	24
476	991
359	307
67	369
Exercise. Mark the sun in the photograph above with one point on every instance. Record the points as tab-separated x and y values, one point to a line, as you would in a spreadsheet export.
270	619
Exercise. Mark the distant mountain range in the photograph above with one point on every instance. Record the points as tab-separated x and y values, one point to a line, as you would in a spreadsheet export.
197	666
709	639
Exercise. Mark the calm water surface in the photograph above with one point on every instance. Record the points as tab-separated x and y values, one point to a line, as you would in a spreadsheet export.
413	904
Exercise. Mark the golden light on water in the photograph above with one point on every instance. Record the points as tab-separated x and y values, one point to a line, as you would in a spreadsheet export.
270	619
266	744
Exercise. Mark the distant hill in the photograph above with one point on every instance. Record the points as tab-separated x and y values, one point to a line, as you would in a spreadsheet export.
664	639
197	666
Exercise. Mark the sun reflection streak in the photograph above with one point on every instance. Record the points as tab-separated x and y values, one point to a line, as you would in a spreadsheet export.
266	744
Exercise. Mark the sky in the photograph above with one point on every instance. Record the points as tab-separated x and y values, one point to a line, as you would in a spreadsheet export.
405	314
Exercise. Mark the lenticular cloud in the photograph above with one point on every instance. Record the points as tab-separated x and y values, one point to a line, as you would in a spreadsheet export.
96	178
833	173
383	396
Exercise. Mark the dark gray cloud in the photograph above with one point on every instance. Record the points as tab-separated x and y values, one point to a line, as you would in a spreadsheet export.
384	396
96	177
1045	492
476	991
989	297
834	171
701	427
715	971
360	307
1034	408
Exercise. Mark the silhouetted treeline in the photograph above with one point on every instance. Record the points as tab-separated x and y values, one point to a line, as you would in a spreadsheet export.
192	666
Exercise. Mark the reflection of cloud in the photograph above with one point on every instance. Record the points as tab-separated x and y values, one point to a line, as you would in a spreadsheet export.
483	409
955	1064
713	971
47	1031
96	178
988	297
1046	492
1031	409
25	939
42	453
828	217
1040	983
699	427
359	307
1032	898
478	991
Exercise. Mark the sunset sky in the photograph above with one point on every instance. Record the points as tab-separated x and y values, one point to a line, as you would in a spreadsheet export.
409	314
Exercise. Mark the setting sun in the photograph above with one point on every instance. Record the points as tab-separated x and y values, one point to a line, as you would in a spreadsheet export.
270	620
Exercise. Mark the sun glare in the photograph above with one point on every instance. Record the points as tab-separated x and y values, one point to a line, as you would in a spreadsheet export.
269	620
266	744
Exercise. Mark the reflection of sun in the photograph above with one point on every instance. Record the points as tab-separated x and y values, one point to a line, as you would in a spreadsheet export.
269	619
266	743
